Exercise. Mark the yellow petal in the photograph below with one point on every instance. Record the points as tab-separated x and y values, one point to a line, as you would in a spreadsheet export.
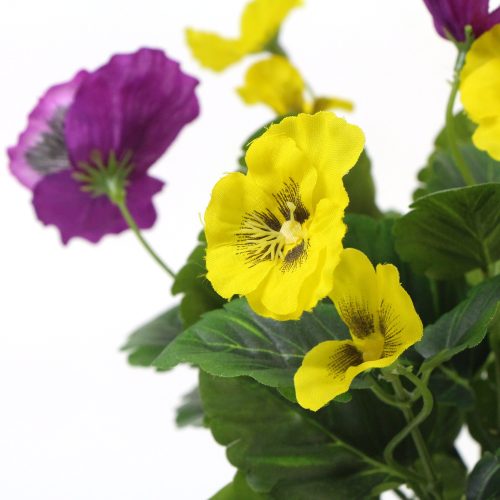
275	163
400	324
326	103
214	51
487	137
327	371
261	21
483	50
276	83
355	293
228	267
286	293
481	91
332	145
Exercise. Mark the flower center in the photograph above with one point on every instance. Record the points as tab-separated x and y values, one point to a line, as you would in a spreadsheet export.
291	231
371	347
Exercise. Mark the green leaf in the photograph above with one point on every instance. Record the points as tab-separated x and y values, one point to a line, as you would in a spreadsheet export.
238	489
450	389
361	188
451	473
441	173
484	480
451	232
482	419
463	327
199	296
274	442
147	342
235	341
190	412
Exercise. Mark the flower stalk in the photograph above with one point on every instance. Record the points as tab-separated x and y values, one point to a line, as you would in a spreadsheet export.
451	135
412	428
121	204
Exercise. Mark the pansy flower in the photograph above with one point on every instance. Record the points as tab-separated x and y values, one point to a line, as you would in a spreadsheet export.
275	234
452	16
480	81
260	24
382	322
278	84
98	134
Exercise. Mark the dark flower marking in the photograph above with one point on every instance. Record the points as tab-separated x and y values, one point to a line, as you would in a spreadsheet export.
358	317
391	328
347	355
50	154
259	238
295	257
291	193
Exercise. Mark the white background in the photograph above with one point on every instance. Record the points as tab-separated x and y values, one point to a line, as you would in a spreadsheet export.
76	422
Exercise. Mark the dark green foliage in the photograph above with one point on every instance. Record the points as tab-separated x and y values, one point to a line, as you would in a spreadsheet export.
484	481
451	232
147	342
199	296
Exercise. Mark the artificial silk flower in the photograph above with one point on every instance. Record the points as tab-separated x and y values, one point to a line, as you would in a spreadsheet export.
278	84
275	234
452	16
480	81
382	322
260	23
101	128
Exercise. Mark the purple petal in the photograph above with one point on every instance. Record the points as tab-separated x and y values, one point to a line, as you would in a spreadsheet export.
40	149
59	200
452	16
492	20
136	103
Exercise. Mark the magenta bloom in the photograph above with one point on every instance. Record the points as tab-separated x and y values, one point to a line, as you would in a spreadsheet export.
452	16
128	111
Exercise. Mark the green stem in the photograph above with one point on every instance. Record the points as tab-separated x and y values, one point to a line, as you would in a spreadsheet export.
121	204
383	396
456	154
412	427
274	47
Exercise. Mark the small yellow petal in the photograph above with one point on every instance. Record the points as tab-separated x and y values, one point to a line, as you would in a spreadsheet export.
326	103
355	293
332	145
399	323
261	21
483	50
487	137
481	92
232	197
291	167
327	371
276	83
214	51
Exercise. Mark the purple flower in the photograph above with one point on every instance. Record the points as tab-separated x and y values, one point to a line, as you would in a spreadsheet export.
120	118
452	16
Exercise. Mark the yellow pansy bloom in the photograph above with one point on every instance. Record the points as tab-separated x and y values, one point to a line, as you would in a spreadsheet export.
277	83
382	322
480	84
275	234
260	24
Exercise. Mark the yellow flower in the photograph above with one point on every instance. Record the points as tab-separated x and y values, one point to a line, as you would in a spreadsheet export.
480	84
382	322
277	83
260	24
275	234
